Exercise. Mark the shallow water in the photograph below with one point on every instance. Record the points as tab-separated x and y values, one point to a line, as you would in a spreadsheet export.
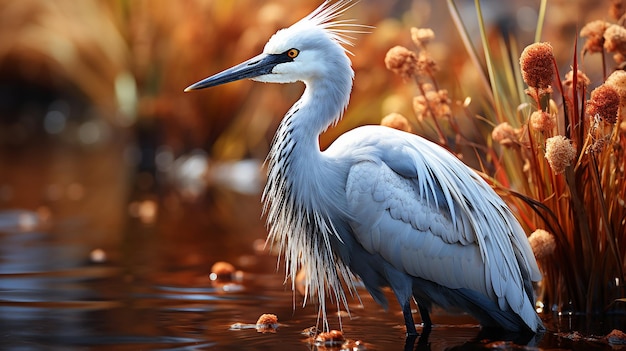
91	259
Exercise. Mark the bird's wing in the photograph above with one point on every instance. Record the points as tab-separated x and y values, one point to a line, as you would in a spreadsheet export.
432	217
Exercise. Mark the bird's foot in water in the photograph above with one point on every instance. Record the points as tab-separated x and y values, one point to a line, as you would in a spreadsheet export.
422	340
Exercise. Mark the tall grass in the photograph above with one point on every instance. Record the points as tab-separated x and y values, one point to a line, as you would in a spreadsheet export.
581	205
556	151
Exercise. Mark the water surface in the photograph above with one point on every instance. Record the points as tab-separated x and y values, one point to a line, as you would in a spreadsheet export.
91	259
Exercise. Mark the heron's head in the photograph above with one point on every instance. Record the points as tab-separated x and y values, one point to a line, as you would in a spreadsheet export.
310	49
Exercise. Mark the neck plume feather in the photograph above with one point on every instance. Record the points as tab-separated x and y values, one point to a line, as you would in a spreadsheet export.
297	202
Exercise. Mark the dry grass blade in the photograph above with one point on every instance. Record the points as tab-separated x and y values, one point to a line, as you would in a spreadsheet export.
579	179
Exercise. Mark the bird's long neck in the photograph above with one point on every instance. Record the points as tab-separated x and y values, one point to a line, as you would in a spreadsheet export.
295	151
302	189
295	159
321	106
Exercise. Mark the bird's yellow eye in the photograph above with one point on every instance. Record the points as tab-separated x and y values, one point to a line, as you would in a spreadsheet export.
293	53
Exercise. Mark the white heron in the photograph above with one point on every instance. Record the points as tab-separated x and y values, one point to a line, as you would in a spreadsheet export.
387	206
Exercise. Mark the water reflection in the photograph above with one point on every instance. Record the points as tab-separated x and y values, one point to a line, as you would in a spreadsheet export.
91	272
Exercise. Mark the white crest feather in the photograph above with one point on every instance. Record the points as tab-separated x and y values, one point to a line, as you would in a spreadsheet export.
326	17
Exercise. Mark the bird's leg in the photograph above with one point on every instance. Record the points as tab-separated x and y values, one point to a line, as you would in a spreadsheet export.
409	342
428	324
408	319
422	342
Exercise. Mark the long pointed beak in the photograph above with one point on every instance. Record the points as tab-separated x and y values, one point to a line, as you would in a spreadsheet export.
254	67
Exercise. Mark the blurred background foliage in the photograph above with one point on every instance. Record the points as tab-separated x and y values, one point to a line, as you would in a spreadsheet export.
91	91
131	60
122	66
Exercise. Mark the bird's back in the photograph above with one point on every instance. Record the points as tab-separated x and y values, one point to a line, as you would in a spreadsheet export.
428	221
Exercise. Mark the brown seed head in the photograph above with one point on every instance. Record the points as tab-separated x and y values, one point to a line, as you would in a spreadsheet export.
396	121
604	103
560	153
267	323
504	134
330	339
599	145
422	36
542	243
582	81
222	271
440	103
420	107
594	32
617	80
615	39
542	121
537	64
401	61
616	11
267	318
436	103
426	65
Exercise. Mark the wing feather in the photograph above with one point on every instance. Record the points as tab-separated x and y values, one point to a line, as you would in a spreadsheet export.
432	217
403	228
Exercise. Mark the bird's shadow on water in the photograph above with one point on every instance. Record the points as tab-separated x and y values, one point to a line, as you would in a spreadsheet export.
484	337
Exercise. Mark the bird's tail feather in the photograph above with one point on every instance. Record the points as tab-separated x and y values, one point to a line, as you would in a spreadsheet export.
481	307
491	315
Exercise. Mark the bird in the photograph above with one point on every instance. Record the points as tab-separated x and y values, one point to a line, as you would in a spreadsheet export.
381	205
